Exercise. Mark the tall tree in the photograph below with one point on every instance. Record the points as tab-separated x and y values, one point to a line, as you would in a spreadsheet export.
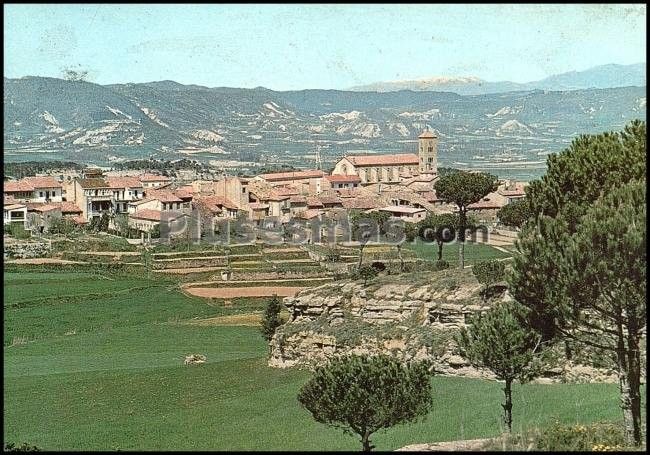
464	188
362	394
585	247
271	318
515	214
597	296
500	341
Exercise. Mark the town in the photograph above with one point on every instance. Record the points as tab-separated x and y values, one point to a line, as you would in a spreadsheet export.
268	227
402	185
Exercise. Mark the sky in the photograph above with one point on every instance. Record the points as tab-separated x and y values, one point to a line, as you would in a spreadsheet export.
292	47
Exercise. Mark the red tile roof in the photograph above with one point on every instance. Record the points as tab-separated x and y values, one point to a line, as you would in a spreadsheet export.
154	178
360	203
327	199
427	135
13	206
211	202
297	199
484	205
123	182
43	182
17	186
147	214
293	175
518	190
309	214
67	207
343	178
163	196
314	202
30	184
384	160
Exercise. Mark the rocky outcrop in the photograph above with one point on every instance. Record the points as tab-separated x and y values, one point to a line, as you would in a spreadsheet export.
411	316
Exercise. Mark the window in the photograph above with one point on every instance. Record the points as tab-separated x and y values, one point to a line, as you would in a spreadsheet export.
430	149
40	194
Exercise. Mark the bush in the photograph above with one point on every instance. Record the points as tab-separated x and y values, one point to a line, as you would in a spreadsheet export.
24	447
365	273
17	230
599	436
332	255
441	265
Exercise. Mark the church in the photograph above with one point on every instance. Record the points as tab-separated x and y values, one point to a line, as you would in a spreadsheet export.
392	168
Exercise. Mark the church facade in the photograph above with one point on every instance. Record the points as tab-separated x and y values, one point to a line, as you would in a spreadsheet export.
392	168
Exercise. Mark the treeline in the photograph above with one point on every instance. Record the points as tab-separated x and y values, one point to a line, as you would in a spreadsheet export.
31	168
161	165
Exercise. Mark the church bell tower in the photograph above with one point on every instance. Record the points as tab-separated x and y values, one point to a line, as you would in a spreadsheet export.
428	152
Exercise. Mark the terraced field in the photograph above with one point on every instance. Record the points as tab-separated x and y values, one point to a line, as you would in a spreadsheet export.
94	361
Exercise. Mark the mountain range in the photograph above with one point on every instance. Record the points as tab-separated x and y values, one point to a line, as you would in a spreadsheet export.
49	118
603	76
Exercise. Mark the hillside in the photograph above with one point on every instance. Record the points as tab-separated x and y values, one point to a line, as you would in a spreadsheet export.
603	76
48	118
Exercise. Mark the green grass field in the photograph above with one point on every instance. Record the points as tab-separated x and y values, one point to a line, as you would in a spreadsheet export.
474	252
117	380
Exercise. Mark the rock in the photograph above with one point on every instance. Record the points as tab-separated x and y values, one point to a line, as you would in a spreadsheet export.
195	359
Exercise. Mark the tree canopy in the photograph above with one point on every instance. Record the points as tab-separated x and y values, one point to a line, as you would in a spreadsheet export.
500	341
464	188
581	263
362	394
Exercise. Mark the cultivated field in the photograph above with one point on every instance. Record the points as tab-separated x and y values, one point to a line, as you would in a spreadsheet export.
95	361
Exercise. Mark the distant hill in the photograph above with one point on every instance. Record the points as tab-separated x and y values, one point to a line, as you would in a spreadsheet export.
604	76
47	118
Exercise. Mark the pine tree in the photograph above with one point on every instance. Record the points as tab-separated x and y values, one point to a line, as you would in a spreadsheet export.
464	188
271	318
500	341
361	394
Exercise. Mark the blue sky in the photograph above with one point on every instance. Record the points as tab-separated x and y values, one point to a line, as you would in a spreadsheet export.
285	47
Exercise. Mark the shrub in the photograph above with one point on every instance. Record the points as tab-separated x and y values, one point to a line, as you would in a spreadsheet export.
441	265
596	436
24	447
17	230
365	273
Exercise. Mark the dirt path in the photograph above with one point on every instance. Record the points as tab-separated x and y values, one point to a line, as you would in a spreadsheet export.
118	254
190	270
247	319
257	291
447	446
279	280
43	261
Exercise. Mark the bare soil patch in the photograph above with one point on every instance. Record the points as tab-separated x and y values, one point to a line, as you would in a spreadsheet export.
447	446
256	291
43	261
247	319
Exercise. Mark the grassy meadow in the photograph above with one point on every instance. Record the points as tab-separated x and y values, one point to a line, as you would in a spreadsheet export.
95	361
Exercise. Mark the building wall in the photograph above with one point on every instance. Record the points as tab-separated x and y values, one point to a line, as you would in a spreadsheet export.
428	153
232	189
40	194
15	216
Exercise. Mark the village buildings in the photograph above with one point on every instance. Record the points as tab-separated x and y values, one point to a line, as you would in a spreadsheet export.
399	184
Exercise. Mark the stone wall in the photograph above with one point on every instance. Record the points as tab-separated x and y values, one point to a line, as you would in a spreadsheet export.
26	250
